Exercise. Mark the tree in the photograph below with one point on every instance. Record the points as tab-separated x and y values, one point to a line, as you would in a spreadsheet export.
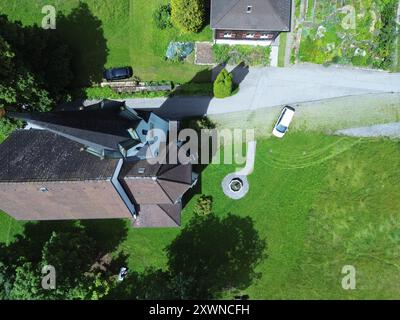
7	93
30	94
162	16
223	84
72	254
5	283
6	56
188	15
26	285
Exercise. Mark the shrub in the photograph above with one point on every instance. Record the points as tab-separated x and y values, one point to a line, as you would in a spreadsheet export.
203	206
162	17
6	128
109	93
223	84
188	15
221	53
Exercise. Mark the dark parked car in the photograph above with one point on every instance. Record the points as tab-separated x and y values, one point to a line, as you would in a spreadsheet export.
113	74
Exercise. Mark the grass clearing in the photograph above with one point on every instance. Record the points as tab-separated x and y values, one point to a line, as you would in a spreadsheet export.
249	55
282	49
132	37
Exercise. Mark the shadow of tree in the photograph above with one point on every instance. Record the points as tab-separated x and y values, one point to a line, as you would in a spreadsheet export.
210	255
60	61
239	73
82	32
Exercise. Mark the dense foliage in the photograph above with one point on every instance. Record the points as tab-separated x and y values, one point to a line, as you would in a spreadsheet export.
72	252
6	128
364	37
188	15
162	17
387	36
223	84
31	76
40	68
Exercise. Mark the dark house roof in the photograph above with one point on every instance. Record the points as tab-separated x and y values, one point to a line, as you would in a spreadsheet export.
79	185
264	15
159	183
39	155
93	128
156	216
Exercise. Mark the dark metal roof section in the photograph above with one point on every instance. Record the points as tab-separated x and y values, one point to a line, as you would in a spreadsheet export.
98	128
39	155
264	15
121	190
172	180
52	149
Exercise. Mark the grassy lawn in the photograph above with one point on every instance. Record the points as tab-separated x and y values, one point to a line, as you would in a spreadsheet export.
360	33
397	67
149	44
132	38
321	202
282	49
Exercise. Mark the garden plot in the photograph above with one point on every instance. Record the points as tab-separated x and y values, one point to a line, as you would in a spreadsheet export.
357	32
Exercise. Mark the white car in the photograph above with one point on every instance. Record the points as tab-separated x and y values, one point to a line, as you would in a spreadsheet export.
283	122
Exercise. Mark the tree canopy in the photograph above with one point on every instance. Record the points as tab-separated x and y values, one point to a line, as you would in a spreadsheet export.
188	15
74	250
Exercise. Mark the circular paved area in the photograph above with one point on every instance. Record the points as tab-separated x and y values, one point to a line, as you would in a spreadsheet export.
235	186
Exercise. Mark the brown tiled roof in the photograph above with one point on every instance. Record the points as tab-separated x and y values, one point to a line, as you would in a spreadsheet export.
161	184
174	190
146	191
39	155
95	199
159	216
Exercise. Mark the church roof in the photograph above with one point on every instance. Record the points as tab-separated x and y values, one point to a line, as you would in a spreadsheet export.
39	155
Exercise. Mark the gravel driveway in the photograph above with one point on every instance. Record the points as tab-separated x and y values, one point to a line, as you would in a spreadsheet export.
391	130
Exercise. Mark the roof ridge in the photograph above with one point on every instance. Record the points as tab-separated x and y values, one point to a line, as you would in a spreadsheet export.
234	5
174	181
177	222
165	192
